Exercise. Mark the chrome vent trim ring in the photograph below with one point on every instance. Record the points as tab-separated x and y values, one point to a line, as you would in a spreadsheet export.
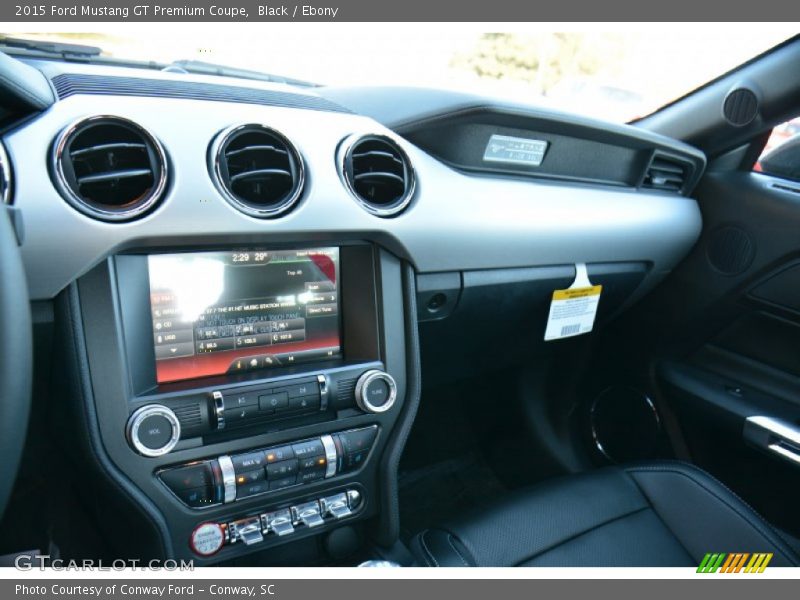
91	209
215	157
344	158
5	176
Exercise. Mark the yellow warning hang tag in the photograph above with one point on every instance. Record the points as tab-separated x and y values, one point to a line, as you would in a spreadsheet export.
572	311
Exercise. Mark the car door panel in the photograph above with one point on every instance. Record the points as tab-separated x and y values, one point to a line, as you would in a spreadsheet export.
733	350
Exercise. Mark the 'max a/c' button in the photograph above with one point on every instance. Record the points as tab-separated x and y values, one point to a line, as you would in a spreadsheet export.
310	448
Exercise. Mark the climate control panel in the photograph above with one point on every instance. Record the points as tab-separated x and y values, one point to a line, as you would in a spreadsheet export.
228	478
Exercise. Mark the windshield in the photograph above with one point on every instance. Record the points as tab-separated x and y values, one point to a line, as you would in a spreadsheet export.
613	75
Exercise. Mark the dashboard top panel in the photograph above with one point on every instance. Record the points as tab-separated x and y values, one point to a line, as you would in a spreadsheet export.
456	221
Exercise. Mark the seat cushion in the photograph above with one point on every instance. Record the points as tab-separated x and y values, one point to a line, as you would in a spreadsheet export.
653	514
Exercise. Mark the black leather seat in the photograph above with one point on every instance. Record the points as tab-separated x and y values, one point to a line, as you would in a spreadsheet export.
656	514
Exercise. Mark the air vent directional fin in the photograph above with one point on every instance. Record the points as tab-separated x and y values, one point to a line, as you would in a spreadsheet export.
258	170
109	168
667	174
378	173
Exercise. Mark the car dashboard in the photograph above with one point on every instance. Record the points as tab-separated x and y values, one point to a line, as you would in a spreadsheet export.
249	282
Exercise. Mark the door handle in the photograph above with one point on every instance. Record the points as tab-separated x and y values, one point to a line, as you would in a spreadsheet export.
776	436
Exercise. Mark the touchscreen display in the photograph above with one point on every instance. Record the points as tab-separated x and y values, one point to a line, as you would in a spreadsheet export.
238	311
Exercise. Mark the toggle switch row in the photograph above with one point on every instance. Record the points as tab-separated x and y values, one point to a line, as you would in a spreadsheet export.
208	538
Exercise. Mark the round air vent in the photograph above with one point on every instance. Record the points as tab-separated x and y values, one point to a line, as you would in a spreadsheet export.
109	168
378	174
257	169
740	107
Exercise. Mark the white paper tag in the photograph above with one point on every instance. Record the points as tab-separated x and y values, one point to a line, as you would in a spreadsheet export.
572	311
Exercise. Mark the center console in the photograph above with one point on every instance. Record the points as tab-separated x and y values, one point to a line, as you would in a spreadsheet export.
243	397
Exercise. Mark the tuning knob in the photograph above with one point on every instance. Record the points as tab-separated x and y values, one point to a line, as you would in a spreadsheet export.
376	391
153	430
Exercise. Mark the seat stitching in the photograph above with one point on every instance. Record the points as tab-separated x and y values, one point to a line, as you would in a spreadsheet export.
747	518
426	549
688	466
452	545
581	533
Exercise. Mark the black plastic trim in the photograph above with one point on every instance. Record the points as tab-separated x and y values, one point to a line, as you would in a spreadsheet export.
459	138
137	498
389	530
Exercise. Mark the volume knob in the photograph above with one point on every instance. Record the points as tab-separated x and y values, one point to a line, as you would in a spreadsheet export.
376	391
153	430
